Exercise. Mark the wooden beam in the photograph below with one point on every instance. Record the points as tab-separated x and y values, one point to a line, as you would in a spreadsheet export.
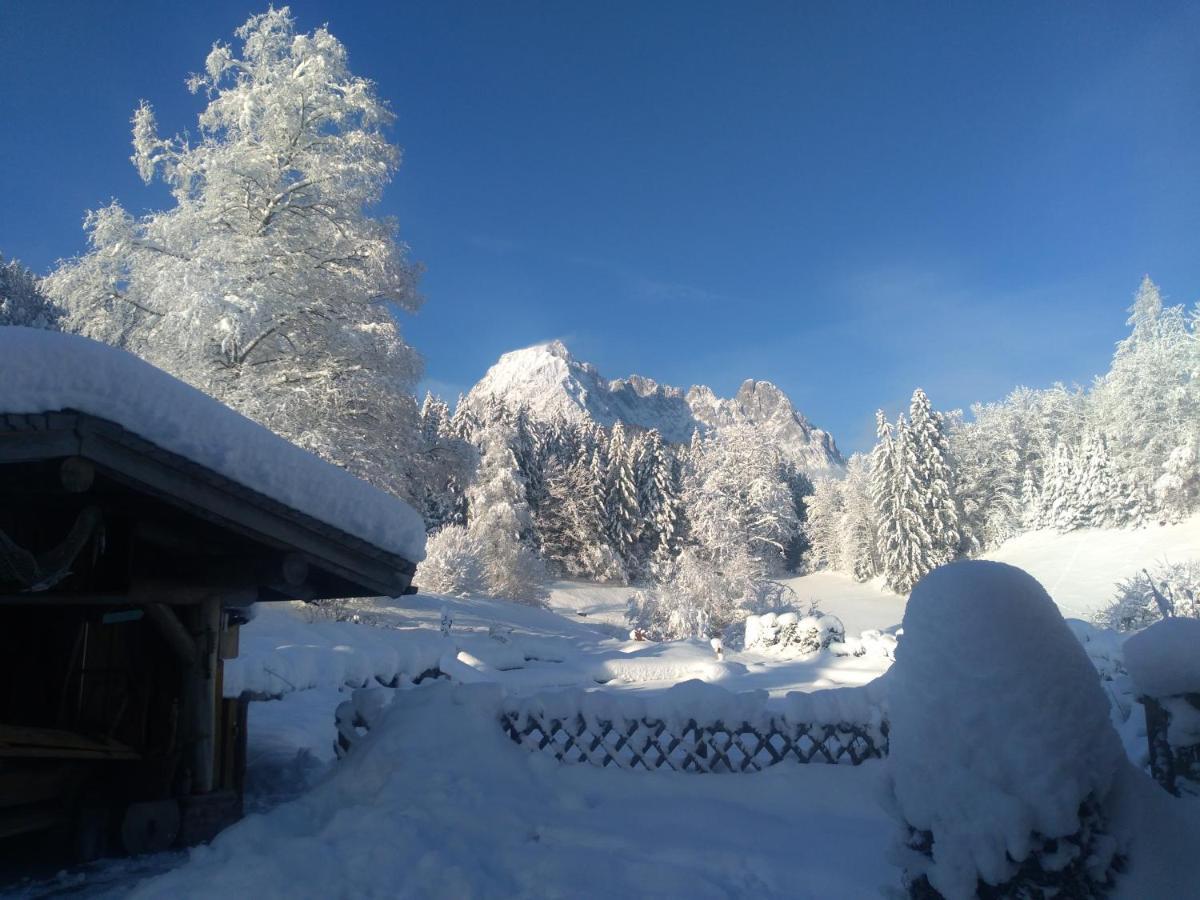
204	754
173	632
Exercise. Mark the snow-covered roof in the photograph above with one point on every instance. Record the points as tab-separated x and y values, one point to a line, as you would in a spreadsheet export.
44	371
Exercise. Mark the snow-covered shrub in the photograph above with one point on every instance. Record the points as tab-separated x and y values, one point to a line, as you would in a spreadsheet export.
793	631
696	599
1001	754
1140	598
452	564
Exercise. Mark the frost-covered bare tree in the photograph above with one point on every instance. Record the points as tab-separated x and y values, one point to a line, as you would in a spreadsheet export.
21	299
267	284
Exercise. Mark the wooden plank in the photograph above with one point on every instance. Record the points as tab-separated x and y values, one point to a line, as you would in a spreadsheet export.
18	446
24	742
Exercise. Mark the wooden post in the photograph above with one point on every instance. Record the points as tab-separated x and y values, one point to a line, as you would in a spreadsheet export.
207	701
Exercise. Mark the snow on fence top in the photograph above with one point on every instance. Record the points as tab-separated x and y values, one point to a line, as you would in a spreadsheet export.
43	371
700	727
1164	660
999	727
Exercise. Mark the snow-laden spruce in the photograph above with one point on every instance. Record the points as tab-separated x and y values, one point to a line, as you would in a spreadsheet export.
1122	454
1000	736
21	299
44	371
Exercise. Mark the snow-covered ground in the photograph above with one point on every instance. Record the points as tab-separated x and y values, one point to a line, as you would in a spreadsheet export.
1079	570
442	803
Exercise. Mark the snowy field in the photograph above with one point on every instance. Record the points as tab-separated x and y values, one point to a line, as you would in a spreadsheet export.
443	804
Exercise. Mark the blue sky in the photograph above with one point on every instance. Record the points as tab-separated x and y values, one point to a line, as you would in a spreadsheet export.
849	200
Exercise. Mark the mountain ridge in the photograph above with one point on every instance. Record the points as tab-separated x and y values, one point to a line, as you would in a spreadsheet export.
550	381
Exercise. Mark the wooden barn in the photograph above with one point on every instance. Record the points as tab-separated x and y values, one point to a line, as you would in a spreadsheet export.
126	570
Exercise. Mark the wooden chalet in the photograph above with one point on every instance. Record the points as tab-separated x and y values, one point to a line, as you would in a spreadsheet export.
125	573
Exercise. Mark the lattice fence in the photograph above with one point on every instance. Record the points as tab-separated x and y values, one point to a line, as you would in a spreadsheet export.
716	747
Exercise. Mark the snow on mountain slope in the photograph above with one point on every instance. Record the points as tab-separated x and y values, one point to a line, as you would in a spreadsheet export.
550	381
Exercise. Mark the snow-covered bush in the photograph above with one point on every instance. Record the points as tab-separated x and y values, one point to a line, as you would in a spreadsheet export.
696	599
452	564
1001	754
792	631
1141	598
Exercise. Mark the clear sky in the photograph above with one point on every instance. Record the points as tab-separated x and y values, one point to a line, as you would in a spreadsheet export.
848	199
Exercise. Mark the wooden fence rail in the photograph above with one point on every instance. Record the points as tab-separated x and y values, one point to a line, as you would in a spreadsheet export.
711	747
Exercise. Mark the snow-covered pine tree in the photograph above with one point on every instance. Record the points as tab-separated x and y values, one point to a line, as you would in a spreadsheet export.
736	497
987	476
934	480
1060	498
529	452
800	487
267	284
1177	490
435	415
22	301
918	555
598	494
883	497
622	516
671	525
1030	499
1095	484
571	527
857	527
1149	401
464	423
499	515
905	549
825	512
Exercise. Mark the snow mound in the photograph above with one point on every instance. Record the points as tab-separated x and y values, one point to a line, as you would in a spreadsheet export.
44	371
1164	660
999	727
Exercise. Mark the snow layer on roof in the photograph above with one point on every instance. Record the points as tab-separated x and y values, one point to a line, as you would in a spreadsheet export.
1165	658
999	726
43	371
